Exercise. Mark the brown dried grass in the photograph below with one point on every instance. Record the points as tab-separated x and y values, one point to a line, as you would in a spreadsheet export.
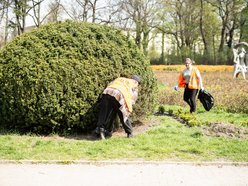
202	68
230	94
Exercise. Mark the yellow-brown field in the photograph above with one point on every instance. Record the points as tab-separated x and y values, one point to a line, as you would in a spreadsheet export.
230	94
202	68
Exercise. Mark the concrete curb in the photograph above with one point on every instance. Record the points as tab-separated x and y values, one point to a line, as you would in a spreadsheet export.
122	162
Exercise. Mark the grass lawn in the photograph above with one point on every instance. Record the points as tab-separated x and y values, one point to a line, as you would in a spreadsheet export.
170	140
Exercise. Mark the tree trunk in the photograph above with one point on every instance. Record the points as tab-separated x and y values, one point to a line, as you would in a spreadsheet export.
145	39
222	40
206	50
162	53
93	5
215	61
230	39
138	33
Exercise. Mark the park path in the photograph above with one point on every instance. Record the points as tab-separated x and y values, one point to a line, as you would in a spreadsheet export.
123	174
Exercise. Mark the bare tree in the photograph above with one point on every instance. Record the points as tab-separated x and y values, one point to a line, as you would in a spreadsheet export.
187	12
93	4
36	16
228	11
137	16
21	9
180	18
84	10
4	19
209	27
203	35
55	11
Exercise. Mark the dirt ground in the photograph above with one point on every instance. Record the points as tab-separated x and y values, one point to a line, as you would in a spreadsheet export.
138	128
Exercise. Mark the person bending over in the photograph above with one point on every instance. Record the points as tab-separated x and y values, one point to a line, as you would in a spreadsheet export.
118	98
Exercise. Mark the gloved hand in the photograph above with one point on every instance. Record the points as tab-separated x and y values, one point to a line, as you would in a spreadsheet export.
176	88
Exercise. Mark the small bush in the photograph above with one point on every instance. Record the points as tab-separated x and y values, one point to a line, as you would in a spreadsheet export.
170	111
190	119
245	123
161	109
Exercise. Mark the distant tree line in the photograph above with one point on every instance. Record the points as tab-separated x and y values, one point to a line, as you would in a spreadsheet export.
205	30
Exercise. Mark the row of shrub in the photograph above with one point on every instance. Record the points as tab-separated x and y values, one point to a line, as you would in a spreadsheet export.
213	58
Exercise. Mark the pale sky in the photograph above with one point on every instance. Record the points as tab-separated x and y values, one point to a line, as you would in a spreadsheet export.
65	3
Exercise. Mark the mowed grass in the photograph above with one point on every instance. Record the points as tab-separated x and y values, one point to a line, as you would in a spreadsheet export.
169	141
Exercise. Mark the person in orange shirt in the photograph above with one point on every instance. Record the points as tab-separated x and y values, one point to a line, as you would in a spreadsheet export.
190	79
118	98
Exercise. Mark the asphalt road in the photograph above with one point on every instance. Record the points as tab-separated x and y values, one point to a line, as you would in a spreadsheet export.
123	174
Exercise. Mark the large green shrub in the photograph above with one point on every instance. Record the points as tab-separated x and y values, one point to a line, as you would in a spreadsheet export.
51	78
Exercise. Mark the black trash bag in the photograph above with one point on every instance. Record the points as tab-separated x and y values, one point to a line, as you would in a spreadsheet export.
206	99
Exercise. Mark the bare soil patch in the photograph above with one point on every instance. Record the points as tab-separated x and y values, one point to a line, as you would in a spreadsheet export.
225	130
139	127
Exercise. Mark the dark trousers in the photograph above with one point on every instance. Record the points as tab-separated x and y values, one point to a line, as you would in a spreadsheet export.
109	108
189	97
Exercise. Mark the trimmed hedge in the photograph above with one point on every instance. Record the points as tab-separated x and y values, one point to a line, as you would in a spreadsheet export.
51	78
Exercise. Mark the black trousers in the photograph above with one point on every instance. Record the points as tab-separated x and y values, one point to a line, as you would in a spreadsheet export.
109	108
189	97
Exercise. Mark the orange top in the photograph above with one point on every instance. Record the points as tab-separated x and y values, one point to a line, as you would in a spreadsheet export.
193	81
126	87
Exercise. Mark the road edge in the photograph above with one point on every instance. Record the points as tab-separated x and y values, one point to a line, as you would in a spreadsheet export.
122	162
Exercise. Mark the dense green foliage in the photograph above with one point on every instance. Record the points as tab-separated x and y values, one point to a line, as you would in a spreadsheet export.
51	78
211	58
244	24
